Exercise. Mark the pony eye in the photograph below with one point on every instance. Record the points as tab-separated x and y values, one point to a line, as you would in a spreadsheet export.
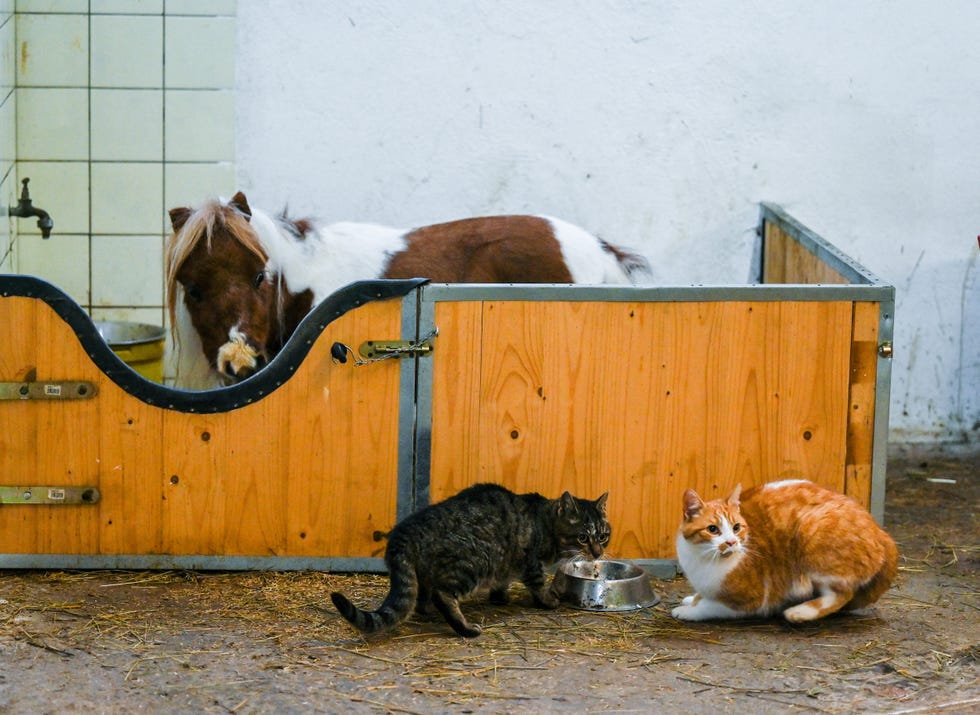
259	279
193	292
713	529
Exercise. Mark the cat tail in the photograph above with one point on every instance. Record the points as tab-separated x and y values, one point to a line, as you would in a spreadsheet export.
399	602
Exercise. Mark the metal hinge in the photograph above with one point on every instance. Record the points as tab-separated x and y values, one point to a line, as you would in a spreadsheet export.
49	495
48	390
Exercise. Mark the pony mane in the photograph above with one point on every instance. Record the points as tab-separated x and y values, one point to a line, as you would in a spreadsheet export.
200	226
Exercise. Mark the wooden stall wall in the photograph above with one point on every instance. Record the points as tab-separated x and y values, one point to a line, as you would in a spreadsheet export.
643	399
311	470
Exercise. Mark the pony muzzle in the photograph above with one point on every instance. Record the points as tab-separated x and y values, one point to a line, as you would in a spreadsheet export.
238	358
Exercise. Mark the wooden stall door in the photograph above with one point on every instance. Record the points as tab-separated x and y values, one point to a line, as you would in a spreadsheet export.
641	399
311	470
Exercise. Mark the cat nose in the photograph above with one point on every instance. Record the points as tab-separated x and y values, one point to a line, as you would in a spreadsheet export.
731	542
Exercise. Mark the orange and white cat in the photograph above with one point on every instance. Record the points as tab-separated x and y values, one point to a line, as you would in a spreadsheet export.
789	547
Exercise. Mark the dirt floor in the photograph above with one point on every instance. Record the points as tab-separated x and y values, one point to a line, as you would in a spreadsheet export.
267	642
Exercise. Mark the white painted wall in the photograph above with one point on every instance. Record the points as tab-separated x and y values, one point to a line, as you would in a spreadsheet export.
658	124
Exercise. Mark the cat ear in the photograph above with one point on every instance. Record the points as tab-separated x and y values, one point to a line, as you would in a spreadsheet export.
692	504
566	503
733	499
600	503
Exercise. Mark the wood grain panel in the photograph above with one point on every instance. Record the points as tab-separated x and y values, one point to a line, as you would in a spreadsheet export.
19	421
131	473
67	440
861	412
786	261
644	400
343	454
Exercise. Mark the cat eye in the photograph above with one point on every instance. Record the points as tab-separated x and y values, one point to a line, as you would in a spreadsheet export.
714	529
736	528
582	538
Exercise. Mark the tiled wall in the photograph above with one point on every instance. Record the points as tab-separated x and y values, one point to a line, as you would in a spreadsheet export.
124	108
8	133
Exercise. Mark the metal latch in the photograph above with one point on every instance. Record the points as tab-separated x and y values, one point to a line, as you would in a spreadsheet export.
49	495
48	390
376	350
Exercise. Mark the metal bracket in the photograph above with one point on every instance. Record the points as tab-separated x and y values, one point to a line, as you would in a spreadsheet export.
54	390
49	495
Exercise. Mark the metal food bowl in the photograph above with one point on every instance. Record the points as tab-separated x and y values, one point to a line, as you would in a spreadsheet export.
604	586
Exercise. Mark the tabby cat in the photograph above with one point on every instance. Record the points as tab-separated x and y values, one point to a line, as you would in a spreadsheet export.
484	536
789	547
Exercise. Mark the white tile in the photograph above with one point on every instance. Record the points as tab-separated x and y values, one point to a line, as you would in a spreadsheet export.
127	51
61	260
52	51
52	6
8	131
52	124
127	270
201	7
8	54
127	7
193	184
126	198
8	246
200	125
187	65
127	124
61	189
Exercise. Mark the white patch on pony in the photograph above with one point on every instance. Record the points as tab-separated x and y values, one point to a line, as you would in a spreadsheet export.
192	370
327	258
236	355
587	260
784	483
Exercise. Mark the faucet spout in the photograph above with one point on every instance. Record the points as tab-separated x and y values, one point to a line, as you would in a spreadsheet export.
25	208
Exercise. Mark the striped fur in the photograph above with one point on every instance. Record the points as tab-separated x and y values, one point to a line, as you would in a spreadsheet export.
483	537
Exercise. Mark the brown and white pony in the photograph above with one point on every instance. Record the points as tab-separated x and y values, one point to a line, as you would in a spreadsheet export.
239	281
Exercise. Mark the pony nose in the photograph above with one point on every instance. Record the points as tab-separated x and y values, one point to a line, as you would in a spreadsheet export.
242	372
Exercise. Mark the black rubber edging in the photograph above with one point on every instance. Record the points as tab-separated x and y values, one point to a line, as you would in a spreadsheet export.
221	399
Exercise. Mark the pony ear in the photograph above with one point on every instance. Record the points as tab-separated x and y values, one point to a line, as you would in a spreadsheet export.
240	204
179	216
736	493
692	504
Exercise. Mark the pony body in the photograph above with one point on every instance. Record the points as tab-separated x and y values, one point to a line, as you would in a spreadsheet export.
240	280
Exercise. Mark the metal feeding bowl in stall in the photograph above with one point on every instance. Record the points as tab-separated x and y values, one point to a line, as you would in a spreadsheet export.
137	344
604	586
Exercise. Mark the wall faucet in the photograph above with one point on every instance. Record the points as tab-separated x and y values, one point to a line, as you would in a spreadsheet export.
25	209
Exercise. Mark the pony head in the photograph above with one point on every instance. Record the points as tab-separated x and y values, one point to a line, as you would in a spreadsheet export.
218	267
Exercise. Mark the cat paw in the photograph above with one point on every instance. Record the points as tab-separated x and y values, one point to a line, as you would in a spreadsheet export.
685	612
469	630
690	600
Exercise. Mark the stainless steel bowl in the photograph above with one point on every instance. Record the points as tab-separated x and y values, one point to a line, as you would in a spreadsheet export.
604	586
